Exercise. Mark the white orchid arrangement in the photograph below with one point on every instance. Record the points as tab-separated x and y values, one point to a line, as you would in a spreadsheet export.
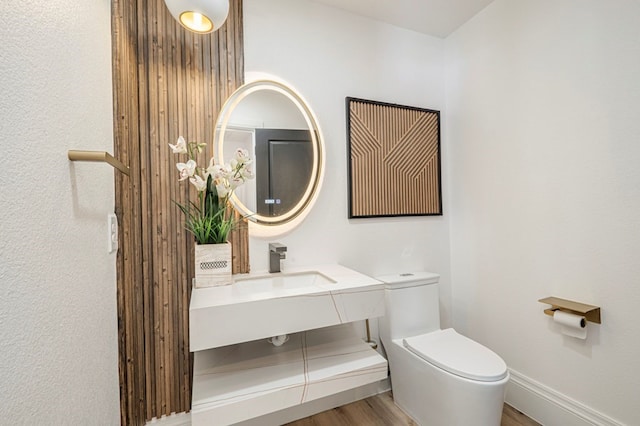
211	219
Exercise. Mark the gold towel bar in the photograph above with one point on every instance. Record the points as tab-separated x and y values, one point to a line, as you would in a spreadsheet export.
102	156
590	312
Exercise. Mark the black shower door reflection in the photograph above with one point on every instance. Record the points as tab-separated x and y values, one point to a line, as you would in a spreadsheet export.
284	162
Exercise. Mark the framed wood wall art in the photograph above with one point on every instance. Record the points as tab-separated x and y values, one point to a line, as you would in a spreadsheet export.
394	160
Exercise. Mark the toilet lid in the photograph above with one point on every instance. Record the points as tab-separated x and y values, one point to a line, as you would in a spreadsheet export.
458	355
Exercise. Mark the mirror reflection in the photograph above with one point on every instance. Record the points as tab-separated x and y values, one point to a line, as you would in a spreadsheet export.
277	128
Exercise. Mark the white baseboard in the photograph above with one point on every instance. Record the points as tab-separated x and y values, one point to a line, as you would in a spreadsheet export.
549	407
180	419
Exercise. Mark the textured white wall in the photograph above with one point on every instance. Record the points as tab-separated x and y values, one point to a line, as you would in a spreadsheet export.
58	324
542	115
327	54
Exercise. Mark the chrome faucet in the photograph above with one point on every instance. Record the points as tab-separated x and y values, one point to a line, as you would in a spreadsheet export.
276	253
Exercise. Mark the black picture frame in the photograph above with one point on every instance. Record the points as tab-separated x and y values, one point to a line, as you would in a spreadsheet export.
394	160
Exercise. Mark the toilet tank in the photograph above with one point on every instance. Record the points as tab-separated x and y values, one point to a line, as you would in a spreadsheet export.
411	303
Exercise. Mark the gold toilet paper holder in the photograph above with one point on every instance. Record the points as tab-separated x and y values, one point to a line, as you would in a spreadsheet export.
589	312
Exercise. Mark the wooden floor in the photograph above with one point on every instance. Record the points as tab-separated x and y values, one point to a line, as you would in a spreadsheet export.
380	410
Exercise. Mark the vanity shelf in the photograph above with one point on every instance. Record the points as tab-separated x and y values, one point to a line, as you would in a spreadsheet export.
240	382
226	315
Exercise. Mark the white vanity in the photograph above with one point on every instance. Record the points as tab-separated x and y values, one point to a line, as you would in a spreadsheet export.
239	375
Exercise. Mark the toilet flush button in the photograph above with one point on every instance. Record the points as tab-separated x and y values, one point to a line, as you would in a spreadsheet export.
406	274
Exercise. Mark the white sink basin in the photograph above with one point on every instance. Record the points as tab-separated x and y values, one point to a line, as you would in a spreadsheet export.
281	281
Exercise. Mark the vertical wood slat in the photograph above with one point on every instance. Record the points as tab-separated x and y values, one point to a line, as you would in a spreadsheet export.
167	82
172	267
125	83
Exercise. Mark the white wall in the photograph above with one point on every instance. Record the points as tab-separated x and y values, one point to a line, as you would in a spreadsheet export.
58	324
327	54
542	115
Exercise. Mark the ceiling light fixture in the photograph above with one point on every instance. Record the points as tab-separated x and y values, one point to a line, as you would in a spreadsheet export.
199	16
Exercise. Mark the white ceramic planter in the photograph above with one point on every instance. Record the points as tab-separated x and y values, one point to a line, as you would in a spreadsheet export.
213	265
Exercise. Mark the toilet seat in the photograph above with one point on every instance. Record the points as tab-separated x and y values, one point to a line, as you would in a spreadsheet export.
458	355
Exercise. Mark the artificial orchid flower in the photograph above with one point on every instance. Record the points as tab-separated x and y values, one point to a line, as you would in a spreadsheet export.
222	190
198	182
247	173
235	182
214	170
180	147
242	156
187	169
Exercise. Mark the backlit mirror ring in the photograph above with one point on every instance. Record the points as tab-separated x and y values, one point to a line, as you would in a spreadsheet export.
299	211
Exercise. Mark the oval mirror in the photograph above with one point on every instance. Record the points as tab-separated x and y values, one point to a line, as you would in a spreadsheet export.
276	126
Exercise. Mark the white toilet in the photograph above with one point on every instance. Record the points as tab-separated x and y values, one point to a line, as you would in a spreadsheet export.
438	377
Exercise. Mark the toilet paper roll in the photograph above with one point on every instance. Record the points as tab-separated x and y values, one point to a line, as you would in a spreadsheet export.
571	324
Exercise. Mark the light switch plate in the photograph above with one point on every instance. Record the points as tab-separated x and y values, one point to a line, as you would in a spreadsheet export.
112	232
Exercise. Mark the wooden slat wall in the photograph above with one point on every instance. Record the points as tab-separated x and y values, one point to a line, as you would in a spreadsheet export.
167	82
394	160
